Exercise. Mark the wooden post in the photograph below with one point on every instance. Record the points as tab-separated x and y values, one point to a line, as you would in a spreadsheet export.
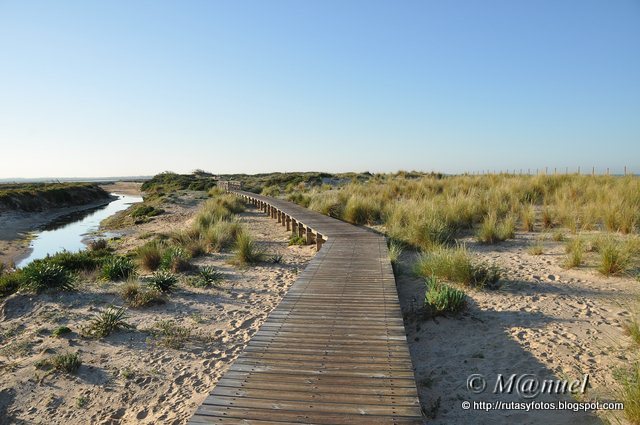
309	236
319	241
294	227
279	216
288	222
301	230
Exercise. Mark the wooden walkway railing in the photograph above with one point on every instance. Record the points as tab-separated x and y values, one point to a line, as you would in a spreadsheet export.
334	351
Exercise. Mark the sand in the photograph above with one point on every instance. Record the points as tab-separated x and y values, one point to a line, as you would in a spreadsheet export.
132	376
542	320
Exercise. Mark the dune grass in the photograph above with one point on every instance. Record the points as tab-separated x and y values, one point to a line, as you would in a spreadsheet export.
455	265
246	252
136	295
575	249
629	380
149	255
118	268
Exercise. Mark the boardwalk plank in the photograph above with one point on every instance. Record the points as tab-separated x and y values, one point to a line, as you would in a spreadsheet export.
333	351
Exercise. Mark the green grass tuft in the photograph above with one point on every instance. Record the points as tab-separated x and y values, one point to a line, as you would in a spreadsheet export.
41	276
162	281
442	298
246	251
136	295
118	268
107	322
455	265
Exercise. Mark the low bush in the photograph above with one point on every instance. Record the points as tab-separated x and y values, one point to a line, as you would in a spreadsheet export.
162	281
118	268
98	245
10	282
149	255
59	331
442	298
143	211
136	295
67	363
297	240
207	277
175	259
41	275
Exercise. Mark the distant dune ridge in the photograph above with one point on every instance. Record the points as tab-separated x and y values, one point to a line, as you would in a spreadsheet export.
44	196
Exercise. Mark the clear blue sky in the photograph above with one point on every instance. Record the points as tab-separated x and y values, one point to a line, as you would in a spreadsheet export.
104	88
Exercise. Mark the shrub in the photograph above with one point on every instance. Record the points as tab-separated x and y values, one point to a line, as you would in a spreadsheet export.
40	275
68	363
98	245
175	259
297	240
442	298
143	211
558	236
110	320
118	268
149	255
10	282
136	296
454	264
273	191
162	281
77	261
246	251
59	331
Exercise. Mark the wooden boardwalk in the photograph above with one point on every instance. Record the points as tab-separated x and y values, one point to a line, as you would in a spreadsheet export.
334	351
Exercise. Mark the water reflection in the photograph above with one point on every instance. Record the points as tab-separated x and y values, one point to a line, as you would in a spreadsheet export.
68	232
